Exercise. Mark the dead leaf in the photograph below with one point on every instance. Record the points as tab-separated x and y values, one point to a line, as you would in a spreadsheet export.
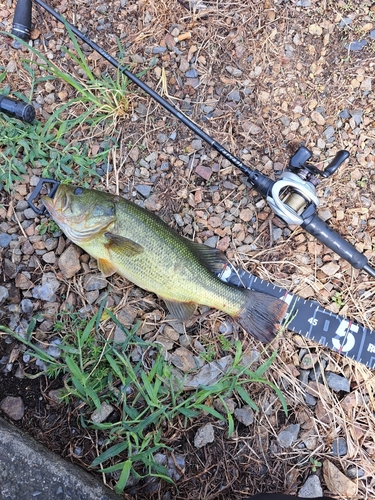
337	482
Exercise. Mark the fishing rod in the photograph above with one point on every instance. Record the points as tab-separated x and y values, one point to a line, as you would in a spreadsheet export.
292	196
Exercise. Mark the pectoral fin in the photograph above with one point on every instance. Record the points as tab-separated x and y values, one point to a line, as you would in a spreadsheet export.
120	243
106	268
180	310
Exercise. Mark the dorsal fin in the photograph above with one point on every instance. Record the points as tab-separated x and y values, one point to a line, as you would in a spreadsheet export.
212	258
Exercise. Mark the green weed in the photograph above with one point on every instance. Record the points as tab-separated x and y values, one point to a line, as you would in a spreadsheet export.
60	147
146	395
337	299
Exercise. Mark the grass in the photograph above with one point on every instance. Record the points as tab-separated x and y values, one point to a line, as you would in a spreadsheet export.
60	147
146	395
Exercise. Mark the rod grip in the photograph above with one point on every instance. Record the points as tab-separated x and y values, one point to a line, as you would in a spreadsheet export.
22	20
326	235
17	108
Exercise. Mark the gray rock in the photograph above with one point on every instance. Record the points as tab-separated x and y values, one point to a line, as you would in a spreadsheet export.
164	167
337	382
192	73
29	213
303	377
339	447
316	373
161	138
212	241
310	400
51	244
4	294
159	50
354	472
13	407
356	46
288	436
143	189
311	488
53	349
69	262
49	257
94	282
244	415
5	239
204	436
329	132
41	365
234	95
31	471
226	327
357	115
345	21
304	3
101	415
46	291
27	306
344	115
174	464
196	144
10	269
372	34
276	233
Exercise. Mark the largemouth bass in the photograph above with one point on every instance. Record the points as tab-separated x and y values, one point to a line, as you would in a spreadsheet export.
135	243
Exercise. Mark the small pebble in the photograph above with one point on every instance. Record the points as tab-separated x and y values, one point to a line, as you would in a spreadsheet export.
26	306
345	21
356	46
234	95
102	414
159	50
192	73
339	447
13	407
204	436
288	436
354	472
244	415
337	383
344	115
311	488
143	189
357	115
4	294
5	239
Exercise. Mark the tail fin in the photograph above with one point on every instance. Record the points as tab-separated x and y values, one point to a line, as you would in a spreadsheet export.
261	315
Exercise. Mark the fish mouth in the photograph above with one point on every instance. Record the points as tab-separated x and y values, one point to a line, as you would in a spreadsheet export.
74	225
59	205
52	208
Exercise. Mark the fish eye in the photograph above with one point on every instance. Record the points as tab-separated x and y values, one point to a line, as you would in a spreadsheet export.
78	191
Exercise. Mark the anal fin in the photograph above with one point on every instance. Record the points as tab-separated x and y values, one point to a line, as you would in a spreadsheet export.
106	268
180	310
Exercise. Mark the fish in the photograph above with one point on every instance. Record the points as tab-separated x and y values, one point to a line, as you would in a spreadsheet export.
129	240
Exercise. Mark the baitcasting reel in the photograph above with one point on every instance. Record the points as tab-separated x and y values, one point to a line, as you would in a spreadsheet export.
294	191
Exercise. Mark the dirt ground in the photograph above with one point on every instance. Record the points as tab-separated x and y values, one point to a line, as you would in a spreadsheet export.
261	78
